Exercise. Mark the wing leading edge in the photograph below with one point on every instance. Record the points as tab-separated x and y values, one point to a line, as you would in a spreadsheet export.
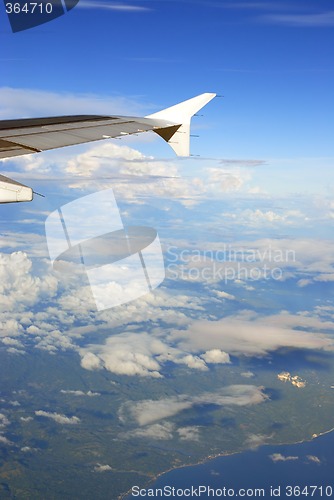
34	135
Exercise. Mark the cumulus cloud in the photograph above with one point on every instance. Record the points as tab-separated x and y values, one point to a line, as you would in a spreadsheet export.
126	354
134	176
80	393
14	403
19	287
52	327
142	354
58	417
278	457
189	433
13	350
229	180
27	449
102	468
90	361
148	411
11	342
192	362
314	459
304	282
259	218
26	419
11	327
224	295
5	441
163	431
256	440
216	356
3	420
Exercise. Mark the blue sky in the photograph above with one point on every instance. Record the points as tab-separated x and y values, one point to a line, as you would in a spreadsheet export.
271	60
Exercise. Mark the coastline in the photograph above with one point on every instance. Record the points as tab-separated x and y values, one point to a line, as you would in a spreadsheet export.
210	458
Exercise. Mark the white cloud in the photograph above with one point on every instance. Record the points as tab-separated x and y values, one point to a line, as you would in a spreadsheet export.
90	361
27	449
258	218
26	419
227	180
11	327
57	417
314	459
325	277
126	354
14	403
135	177
123	7
12	342
149	411
216	356
13	350
3	420
134	353
18	102
102	468
189	433
247	374
80	393
224	295
253	334
321	19
278	457
304	282
256	440
191	361
163	431
243	261
5	441
19	288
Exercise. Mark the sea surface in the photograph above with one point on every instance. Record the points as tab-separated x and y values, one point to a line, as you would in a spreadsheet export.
302	470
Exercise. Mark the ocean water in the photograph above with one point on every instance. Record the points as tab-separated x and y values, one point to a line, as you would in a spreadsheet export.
303	470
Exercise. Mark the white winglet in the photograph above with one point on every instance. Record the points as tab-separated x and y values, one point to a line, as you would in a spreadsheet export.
177	132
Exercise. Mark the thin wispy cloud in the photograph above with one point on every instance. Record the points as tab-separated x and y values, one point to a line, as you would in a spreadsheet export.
112	6
251	5
320	20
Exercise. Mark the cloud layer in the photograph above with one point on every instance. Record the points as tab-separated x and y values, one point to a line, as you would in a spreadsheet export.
252	334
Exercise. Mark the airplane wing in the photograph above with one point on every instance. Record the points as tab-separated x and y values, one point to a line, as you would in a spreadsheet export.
21	137
34	135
